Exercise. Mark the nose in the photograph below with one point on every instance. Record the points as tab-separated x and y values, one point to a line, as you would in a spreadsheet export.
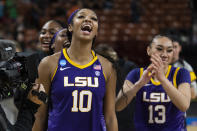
48	35
87	19
164	53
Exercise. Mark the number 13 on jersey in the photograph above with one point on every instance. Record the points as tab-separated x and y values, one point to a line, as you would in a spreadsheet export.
161	111
78	101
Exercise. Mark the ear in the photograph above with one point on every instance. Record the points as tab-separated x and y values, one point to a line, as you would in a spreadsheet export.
148	51
70	28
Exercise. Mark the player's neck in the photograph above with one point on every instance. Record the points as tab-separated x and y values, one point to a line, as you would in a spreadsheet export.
80	54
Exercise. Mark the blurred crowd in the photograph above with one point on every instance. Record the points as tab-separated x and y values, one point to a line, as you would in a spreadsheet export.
21	20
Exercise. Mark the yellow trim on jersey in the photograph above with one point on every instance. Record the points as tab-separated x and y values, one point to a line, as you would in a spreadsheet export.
167	74
104	76
193	76
77	65
54	73
141	72
93	54
175	75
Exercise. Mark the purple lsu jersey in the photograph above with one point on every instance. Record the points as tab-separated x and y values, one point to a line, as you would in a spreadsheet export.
154	111
77	94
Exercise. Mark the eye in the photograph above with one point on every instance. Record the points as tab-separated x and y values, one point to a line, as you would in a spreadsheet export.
80	16
52	32
159	49
42	32
94	19
170	50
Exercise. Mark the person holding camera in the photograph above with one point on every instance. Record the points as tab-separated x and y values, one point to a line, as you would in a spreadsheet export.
26	113
17	73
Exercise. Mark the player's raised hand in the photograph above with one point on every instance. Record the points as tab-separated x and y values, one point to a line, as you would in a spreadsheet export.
158	66
147	74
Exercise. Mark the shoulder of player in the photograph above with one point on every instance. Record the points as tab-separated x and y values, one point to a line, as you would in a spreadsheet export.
104	61
50	58
50	61
180	71
106	65
137	71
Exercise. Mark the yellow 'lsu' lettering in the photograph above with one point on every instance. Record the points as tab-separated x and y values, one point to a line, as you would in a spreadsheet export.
155	97
82	82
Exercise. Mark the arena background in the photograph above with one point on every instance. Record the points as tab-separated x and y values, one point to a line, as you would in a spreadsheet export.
127	25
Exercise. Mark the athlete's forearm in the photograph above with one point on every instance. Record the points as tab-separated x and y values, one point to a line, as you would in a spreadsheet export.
193	90
41	119
123	99
112	124
180	100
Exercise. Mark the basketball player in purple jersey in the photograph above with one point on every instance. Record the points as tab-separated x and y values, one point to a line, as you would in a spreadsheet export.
80	83
162	92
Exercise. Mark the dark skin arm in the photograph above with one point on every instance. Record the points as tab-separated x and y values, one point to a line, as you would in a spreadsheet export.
45	72
109	100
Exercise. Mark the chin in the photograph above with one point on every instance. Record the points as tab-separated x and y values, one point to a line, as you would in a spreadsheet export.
86	38
45	49
166	63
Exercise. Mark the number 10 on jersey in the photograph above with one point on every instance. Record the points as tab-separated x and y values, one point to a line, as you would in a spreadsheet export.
78	101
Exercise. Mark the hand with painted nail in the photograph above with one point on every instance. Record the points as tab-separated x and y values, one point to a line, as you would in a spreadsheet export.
35	98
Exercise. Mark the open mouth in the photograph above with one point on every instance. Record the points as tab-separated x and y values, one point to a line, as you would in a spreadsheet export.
86	28
45	42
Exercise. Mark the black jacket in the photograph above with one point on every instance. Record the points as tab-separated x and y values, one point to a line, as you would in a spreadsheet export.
125	117
24	120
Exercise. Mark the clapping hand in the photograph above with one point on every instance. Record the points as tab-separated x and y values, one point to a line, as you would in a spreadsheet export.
147	74
158	66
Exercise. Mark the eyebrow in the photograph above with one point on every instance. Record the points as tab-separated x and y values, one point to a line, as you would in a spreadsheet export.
163	46
82	12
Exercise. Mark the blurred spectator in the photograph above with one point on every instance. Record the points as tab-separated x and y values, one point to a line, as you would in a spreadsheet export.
74	6
135	11
11	9
125	117
60	40
24	13
1	9
194	37
47	32
18	47
95	4
108	4
179	62
98	4
30	42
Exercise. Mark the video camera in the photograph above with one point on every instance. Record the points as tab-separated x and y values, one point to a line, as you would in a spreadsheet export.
17	72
